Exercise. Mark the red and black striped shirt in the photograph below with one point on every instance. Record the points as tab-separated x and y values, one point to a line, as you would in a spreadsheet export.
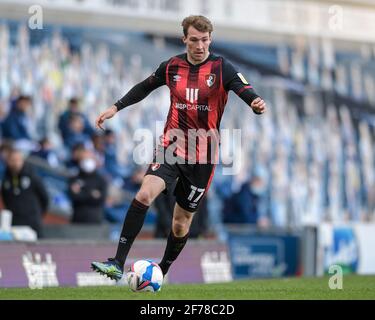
198	95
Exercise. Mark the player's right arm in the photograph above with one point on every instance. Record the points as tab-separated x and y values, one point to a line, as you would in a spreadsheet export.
135	94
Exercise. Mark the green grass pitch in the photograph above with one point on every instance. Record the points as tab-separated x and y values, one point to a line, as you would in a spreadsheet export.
354	287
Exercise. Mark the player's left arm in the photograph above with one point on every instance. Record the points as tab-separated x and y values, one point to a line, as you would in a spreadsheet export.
234	80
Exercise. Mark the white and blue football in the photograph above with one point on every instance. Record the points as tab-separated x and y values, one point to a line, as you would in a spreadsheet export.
145	275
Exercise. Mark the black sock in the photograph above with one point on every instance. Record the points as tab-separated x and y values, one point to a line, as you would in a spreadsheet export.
173	249
133	223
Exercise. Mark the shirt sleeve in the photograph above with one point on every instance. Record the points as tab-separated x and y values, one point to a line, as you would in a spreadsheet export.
234	80
144	88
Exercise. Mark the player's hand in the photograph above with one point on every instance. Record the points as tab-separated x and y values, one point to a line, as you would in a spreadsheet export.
107	114
258	106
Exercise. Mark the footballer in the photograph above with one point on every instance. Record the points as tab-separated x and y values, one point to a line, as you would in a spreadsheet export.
199	82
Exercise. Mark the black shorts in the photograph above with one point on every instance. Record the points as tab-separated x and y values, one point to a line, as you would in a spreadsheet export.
192	184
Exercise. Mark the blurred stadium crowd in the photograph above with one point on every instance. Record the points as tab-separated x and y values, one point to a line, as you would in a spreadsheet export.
309	159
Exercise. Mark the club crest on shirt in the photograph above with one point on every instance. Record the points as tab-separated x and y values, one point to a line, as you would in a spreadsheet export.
210	79
155	166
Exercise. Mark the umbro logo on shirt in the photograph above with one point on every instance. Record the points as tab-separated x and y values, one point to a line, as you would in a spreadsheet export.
176	78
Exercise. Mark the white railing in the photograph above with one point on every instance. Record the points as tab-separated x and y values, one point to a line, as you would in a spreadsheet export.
237	19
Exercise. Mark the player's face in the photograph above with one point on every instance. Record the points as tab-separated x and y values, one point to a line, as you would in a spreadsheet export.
197	44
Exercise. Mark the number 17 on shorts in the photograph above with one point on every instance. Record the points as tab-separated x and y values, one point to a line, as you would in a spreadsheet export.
195	195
